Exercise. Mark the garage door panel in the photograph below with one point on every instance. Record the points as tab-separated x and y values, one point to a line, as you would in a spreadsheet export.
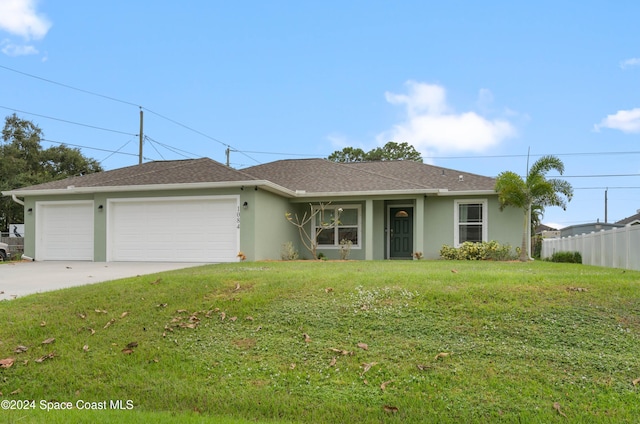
188	229
64	231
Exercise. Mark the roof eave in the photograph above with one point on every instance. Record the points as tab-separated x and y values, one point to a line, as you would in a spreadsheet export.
412	192
466	193
267	185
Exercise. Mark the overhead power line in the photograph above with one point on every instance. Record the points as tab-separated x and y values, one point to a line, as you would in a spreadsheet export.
68	122
69	86
91	148
93	93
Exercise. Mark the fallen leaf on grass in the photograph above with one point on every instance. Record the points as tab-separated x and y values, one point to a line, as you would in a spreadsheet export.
340	351
161	305
368	366
455	271
391	409
43	323
7	362
577	289
85	348
363	346
237	287
132	345
100	311
16	391
49	340
45	357
222	316
249	318
423	367
156	282
292	366
383	386
21	349
307	339
233	319
127	351
92	331
636	381
333	361
124	314
111	321
82	316
556	406
442	355
328	289
188	325
181	311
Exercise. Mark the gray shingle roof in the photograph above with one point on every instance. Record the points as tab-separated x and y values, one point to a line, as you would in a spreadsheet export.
321	175
162	172
308	175
629	219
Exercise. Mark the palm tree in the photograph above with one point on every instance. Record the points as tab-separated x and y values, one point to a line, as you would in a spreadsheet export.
536	190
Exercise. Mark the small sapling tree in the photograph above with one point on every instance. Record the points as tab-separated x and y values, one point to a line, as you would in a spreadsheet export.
308	235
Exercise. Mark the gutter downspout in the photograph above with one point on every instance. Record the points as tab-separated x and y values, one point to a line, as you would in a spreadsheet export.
18	201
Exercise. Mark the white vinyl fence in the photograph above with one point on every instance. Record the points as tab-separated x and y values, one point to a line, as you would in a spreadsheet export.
616	248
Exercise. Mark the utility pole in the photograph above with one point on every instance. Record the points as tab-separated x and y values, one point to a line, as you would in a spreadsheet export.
141	137
228	151
605	205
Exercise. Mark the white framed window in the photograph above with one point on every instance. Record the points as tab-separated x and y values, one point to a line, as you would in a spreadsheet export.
348	227
470	221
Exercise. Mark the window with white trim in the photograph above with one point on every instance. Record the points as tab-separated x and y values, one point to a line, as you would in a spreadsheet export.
329	233
470	221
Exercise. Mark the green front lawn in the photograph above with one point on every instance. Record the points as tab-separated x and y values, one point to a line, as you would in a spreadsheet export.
333	342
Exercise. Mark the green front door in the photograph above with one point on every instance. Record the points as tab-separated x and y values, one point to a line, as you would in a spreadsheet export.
401	233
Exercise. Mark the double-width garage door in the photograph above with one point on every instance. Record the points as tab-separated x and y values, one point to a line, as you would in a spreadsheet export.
184	229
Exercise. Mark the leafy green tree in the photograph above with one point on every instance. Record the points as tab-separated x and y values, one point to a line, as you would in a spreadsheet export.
394	151
23	162
390	151
348	154
534	192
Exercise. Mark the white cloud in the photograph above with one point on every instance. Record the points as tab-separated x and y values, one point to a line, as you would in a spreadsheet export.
628	63
432	125
627	121
19	17
11	49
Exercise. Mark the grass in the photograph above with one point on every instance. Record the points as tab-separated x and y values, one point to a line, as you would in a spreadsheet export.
445	342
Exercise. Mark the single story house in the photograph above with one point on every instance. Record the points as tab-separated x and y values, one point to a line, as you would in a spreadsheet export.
199	210
630	220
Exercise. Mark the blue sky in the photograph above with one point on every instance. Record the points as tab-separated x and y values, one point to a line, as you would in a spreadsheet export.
472	85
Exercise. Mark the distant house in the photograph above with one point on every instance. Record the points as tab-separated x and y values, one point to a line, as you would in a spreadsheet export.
575	230
630	220
546	232
199	210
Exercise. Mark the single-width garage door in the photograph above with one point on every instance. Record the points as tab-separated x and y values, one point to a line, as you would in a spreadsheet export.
64	231
177	229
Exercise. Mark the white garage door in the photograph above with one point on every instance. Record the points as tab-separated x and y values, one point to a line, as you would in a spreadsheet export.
64	231
187	229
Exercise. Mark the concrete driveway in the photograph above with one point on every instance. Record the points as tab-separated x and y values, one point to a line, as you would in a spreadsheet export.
23	278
